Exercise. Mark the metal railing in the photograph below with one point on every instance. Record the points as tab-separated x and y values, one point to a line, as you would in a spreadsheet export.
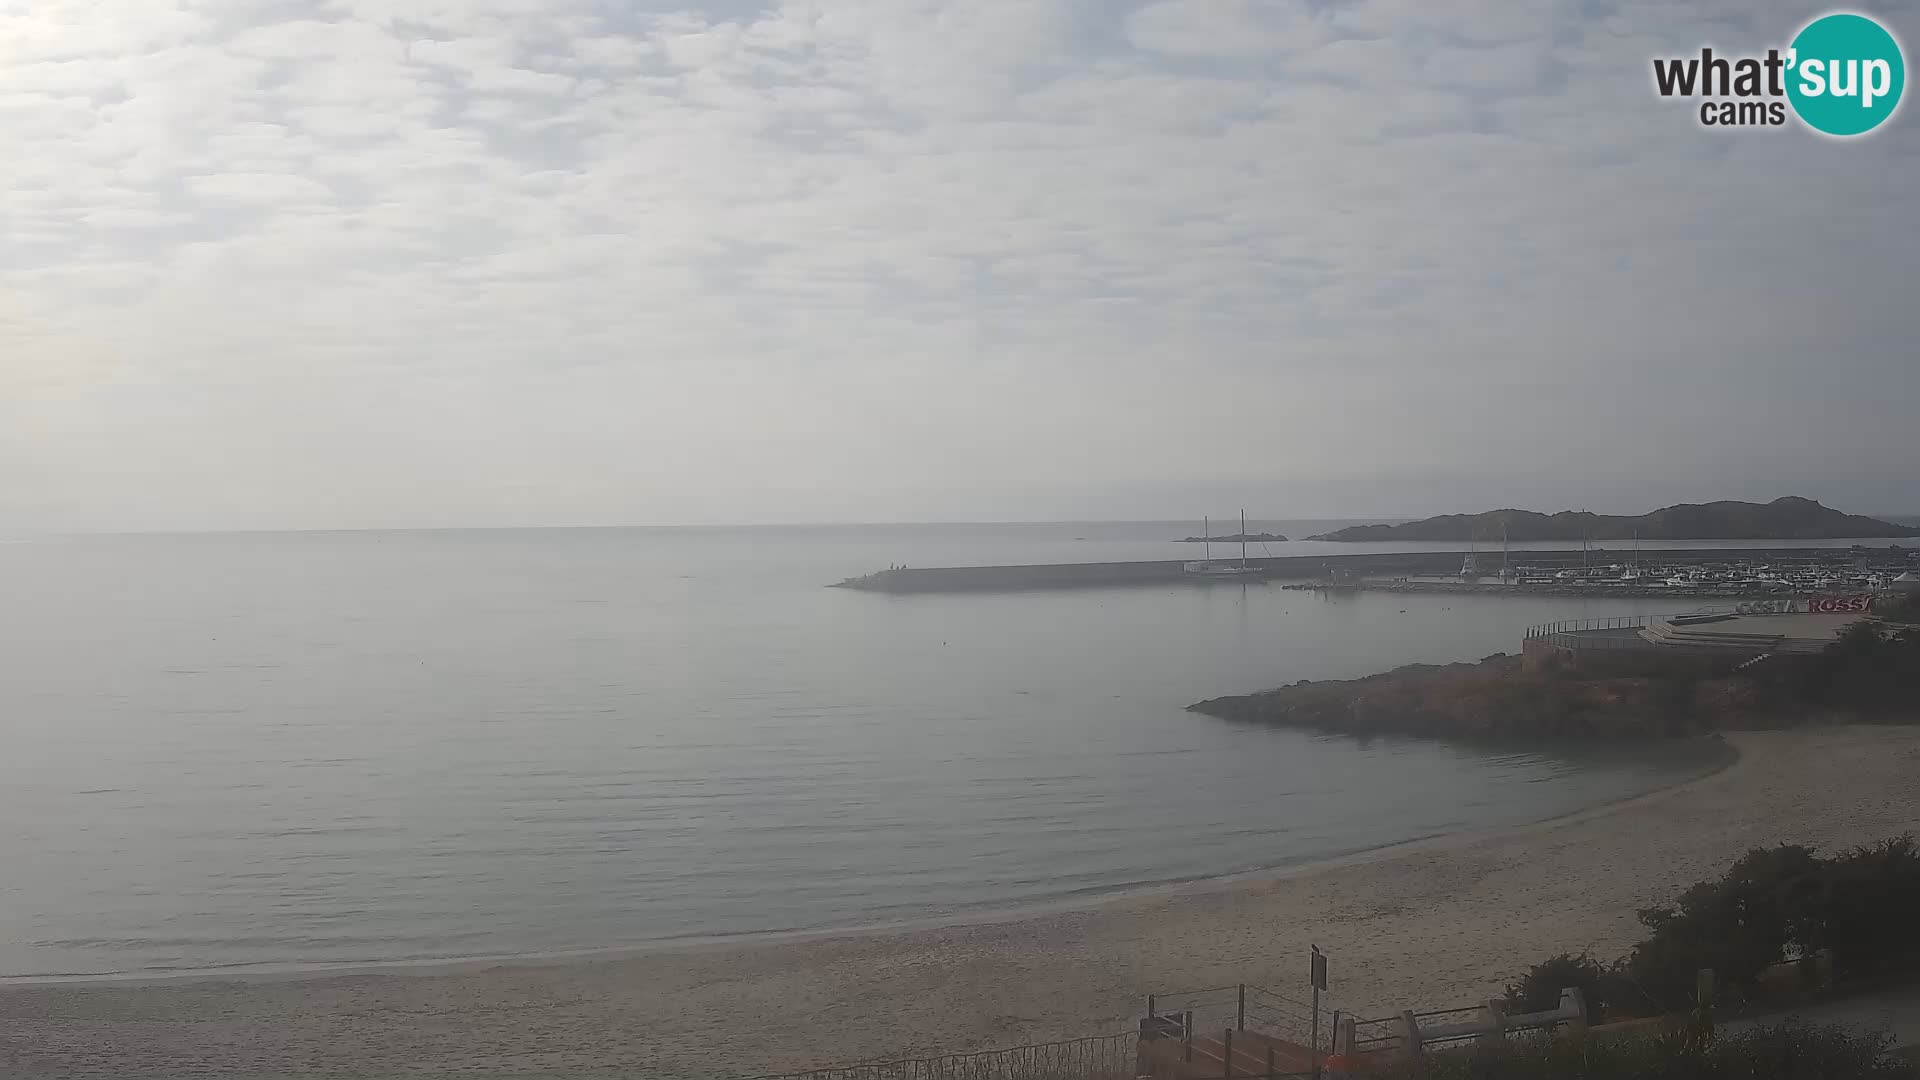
1579	633
1574	626
1373	1036
1222	1055
1097	1057
1413	1032
1246	1007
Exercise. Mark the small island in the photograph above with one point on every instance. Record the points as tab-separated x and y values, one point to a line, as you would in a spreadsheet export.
1251	538
1790	518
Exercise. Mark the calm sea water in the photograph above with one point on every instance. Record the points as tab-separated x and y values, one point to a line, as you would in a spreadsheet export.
297	749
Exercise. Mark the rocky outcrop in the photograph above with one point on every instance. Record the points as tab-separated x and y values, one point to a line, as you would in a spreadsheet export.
1496	698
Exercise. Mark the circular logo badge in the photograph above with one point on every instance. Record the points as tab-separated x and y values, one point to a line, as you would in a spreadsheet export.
1846	74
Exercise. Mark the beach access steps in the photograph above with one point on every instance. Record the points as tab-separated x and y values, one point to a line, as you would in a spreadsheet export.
1174	1047
1228	1052
1730	636
1239	1030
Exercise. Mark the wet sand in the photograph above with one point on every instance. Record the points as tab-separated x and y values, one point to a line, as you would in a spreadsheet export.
1440	922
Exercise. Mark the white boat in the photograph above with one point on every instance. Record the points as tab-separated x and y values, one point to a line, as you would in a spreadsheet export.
1207	568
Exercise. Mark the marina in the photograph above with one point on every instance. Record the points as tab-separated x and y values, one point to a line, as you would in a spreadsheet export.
1703	572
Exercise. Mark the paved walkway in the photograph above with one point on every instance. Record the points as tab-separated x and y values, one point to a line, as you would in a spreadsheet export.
1895	1010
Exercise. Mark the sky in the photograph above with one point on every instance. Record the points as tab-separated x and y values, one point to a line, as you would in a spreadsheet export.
417	263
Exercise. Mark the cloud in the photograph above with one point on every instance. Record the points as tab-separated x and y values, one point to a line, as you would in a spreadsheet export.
1227	29
258	188
1460	22
1513	68
468	55
507	261
614	52
513	80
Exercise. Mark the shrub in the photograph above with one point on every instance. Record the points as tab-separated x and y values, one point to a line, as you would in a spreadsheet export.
1870	667
1901	608
1774	904
1767	904
1788	1052
1871	909
1539	989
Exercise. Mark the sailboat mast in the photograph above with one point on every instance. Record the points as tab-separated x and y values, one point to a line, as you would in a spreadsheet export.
1206	533
1243	537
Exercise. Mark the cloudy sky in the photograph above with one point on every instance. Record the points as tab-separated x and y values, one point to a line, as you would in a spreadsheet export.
290	263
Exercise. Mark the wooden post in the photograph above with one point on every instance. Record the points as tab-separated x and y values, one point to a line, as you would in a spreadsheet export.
1703	999
1186	1036
1410	1035
1150	1009
1269	1061
1227	1054
1313	1038
1496	1023
1240	1018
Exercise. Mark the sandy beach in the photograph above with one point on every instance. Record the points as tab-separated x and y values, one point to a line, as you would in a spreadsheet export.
1434	923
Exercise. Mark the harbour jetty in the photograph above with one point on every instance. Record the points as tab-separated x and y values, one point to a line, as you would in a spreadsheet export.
1360	570
1080	575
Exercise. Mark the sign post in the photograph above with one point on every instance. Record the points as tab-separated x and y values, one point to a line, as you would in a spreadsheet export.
1318	973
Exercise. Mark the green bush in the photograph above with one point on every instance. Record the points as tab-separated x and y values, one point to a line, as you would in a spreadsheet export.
1539	989
1774	904
1787	1052
1903	608
1871	910
1766	904
1870	667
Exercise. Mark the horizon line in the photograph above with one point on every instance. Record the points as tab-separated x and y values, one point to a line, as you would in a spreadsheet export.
692	526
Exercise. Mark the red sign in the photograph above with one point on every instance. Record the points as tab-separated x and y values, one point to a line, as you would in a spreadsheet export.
1840	605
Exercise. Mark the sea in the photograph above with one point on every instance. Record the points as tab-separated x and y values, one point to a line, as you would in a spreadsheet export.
272	751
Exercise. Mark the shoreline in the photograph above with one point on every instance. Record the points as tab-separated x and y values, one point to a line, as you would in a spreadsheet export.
1432	922
1719	758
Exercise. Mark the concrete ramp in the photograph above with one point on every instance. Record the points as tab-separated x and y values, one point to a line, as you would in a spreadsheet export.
1790	633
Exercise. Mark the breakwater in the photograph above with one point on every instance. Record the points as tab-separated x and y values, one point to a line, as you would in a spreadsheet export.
1500	588
1367	565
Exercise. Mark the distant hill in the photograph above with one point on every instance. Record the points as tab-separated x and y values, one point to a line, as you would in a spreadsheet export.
1791	518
